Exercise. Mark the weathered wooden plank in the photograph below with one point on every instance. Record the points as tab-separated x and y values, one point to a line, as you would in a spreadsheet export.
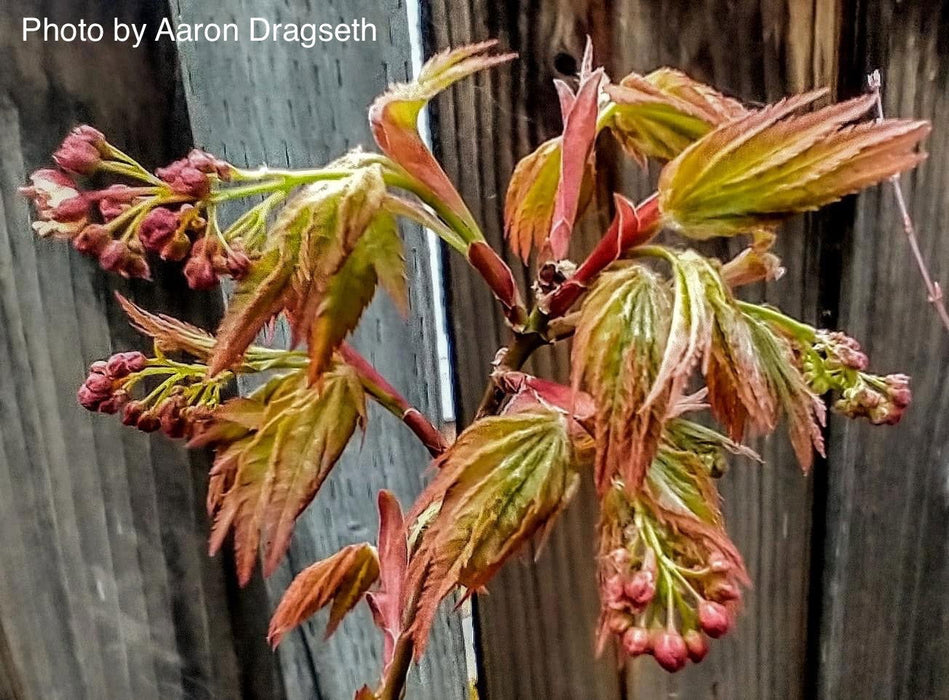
535	627
283	105
884	628
113	592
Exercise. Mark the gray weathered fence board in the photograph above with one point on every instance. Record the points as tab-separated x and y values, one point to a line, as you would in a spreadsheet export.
278	104
886	583
112	592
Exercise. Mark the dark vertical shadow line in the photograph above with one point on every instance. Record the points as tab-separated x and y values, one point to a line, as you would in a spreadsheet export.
834	233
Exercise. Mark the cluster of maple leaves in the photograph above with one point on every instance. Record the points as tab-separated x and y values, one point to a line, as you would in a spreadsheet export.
659	337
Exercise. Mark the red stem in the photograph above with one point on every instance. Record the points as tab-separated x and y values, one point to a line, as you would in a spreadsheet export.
631	227
387	395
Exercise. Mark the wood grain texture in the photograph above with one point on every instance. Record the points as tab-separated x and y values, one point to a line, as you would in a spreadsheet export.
536	626
279	104
885	617
106	590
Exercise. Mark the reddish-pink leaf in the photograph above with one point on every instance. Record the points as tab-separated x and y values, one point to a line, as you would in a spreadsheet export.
342	579
579	134
386	603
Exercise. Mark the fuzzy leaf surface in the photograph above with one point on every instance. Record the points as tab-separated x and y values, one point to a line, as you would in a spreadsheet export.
617	354
504	480
759	169
267	477
661	114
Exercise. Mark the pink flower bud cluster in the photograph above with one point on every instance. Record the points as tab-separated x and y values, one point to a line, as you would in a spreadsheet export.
105	391
192	174
838	364
120	224
634	614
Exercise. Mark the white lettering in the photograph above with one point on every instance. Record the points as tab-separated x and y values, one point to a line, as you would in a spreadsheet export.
30	24
259	29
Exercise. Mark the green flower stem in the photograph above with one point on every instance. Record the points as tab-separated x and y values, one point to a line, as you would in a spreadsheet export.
132	170
797	329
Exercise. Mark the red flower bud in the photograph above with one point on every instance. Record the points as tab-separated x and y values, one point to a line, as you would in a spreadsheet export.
641	588
148	422
696	645
80	151
636	641
714	619
669	649
114	402
158	228
199	271
100	384
124	363
88	399
114	256
99	367
238	264
114	200
92	240
611	591
132	413
72	209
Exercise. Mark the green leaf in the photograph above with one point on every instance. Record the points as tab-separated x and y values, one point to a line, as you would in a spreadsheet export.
273	472
757	170
505	479
659	115
617	354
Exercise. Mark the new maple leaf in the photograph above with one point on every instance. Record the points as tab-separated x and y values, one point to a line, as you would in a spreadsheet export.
504	480
765	166
291	436
342	579
617	353
660	114
330	247
394	120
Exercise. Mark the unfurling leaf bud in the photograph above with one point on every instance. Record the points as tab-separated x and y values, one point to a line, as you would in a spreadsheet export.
669	649
714	619
696	645
636	641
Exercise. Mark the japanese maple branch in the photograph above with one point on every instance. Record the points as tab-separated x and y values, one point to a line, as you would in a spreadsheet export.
933	290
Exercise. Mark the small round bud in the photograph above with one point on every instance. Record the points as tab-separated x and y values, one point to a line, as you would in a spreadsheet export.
148	422
88	399
132	412
722	591
714	619
696	645
636	641
199	271
669	649
158	228
92	239
611	592
99	367
641	588
99	383
619	623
